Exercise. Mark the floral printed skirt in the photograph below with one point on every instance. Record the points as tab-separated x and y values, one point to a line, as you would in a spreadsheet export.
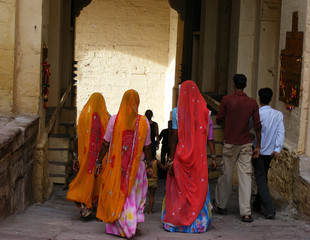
133	209
201	224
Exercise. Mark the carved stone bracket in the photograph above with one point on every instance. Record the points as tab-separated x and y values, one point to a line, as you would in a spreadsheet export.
78	5
179	6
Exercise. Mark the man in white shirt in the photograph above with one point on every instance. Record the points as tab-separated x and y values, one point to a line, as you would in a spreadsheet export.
272	138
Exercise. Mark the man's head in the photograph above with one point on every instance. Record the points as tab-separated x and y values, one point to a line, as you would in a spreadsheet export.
149	114
265	95
170	124
239	81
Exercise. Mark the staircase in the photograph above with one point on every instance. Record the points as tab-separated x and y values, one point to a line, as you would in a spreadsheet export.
60	147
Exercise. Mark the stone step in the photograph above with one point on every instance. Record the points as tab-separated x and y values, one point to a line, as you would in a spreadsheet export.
68	114
67	128
58	155
59	141
58	179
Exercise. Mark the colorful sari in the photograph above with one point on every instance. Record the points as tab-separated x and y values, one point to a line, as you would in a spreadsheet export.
124	183
187	206
91	128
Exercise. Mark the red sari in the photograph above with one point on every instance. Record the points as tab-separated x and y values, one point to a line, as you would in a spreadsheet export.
187	190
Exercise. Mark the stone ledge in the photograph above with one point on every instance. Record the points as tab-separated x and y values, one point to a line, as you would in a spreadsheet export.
18	137
15	131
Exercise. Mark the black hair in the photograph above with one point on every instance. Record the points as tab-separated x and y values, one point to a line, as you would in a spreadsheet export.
240	81
149	113
265	95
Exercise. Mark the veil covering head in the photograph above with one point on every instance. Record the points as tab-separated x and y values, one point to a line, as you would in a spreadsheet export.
125	151
186	191
92	125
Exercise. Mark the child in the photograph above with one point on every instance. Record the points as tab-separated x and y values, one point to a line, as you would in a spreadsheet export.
153	182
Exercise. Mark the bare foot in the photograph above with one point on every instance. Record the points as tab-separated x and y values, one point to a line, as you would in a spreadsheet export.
149	212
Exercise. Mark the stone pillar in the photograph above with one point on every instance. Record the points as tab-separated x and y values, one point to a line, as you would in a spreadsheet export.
54	50
266	54
7	26
242	39
209	45
170	73
28	45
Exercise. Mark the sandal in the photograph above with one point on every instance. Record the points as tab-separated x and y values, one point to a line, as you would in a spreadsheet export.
247	218
85	212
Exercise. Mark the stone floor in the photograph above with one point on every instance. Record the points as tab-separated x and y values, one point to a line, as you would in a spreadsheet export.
58	219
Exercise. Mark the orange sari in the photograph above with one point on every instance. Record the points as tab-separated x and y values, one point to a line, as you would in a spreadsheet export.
187	189
91	128
128	137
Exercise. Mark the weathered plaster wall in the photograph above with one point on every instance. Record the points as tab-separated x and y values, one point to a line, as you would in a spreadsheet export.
7	26
121	45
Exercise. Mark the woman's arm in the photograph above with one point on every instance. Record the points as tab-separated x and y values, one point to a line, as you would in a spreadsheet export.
173	147
103	150
162	166
148	156
157	135
213	155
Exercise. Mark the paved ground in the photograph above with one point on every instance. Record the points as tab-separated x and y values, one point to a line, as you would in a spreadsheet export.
58	219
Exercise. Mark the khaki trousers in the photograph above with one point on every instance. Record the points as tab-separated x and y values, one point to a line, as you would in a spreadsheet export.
241	154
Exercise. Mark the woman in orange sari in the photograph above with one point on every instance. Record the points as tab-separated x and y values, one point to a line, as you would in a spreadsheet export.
124	182
92	124
187	206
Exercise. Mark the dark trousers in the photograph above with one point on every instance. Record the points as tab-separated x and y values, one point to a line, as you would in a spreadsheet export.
261	166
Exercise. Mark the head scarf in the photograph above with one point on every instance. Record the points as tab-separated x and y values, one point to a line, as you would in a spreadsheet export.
186	191
91	128
126	147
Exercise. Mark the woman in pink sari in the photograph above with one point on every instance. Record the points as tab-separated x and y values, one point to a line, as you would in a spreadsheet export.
187	206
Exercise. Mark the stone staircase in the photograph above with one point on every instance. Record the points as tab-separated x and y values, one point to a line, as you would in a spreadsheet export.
61	146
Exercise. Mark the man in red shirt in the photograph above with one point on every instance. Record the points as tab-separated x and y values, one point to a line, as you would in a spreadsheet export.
235	112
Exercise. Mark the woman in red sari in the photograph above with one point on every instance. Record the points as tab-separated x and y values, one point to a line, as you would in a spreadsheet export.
187	206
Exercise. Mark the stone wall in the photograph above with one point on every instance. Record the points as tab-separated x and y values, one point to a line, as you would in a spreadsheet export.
121	45
18	139
286	184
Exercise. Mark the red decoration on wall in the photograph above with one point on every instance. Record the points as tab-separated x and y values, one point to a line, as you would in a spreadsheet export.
45	77
290	66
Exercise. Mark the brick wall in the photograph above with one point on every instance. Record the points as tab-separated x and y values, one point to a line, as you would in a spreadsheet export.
122	45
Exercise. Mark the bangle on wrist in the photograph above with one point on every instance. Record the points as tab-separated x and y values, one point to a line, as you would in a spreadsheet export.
97	162
213	155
